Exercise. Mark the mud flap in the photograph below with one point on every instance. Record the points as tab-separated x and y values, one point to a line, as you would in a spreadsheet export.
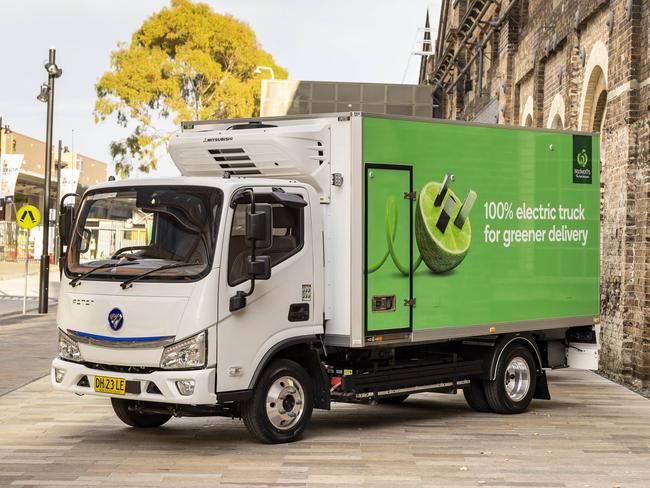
541	388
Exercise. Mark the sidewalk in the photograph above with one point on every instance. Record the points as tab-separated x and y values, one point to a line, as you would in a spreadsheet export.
27	346
12	287
16	269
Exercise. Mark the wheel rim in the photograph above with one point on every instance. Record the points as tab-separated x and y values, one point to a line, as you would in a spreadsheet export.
517	379
285	402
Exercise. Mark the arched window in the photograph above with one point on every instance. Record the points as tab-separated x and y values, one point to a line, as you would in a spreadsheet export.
557	122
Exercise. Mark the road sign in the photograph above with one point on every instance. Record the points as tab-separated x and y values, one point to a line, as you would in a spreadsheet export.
28	217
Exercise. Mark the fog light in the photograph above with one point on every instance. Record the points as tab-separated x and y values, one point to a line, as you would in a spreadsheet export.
185	387
59	374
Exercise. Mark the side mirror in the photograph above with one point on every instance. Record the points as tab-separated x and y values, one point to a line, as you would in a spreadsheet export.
260	268
66	223
259	234
259	226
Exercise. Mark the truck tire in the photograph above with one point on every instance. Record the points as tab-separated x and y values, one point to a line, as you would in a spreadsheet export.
475	396
393	400
514	384
282	403
136	419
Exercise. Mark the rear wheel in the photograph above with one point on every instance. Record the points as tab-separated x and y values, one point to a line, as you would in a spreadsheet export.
475	396
282	404
393	400
134	418
514	385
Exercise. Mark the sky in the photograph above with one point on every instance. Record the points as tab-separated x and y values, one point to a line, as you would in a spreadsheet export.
332	40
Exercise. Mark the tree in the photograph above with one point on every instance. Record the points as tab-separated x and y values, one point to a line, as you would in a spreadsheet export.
186	62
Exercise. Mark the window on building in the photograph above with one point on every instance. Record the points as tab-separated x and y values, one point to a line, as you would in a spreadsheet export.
288	237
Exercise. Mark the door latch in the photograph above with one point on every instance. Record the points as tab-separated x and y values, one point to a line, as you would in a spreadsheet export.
409	302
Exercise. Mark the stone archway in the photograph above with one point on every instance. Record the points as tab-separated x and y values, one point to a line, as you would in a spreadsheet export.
526	118
557	123
556	113
593	97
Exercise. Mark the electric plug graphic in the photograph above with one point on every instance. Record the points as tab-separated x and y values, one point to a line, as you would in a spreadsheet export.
442	227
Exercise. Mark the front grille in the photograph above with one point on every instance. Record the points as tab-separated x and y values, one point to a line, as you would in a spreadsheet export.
121	369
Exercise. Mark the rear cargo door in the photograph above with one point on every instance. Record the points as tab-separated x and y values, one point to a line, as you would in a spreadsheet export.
389	204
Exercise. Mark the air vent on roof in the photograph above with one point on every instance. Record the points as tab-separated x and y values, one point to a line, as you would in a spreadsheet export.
318	150
237	165
229	154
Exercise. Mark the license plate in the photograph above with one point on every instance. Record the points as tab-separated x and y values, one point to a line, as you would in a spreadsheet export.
106	384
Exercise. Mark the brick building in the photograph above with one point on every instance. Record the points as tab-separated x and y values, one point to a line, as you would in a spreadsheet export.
568	64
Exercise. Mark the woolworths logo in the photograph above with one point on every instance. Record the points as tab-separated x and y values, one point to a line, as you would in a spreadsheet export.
582	159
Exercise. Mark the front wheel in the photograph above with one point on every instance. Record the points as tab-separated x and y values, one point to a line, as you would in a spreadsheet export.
282	404
134	418
514	385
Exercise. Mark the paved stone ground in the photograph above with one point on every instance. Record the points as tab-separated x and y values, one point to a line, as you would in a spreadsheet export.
12	289
27	346
593	433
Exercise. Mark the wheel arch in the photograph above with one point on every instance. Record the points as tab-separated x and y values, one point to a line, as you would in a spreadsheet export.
527	340
304	351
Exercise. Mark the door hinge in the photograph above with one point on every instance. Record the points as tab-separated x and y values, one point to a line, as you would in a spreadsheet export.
409	302
410	195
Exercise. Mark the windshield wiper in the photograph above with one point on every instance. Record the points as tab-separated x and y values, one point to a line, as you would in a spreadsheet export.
76	280
128	283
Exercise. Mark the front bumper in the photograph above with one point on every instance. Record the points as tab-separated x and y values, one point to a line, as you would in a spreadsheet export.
165	382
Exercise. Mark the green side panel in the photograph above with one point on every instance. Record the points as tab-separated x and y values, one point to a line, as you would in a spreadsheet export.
529	248
386	282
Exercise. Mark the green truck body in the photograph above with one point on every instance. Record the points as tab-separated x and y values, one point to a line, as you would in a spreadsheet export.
528	251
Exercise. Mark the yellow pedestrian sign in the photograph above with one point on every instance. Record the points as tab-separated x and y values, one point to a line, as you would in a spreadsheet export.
28	217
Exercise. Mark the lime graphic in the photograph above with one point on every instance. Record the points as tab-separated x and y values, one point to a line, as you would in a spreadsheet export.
441	252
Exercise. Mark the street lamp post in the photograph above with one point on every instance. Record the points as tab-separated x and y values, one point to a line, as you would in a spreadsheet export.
259	69
47	95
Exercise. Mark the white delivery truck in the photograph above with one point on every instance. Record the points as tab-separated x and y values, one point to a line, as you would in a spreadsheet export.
347	257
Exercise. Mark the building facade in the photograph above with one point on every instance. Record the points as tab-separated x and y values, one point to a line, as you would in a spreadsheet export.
294	97
578	65
29	189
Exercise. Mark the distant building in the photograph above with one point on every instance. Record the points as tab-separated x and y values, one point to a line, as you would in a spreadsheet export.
291	97
568	64
29	188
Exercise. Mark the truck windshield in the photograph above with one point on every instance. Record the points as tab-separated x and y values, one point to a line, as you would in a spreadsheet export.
149	227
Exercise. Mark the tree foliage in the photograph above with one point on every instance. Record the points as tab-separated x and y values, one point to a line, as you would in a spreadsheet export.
186	62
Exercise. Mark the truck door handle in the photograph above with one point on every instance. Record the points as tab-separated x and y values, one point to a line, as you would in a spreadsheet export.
298	312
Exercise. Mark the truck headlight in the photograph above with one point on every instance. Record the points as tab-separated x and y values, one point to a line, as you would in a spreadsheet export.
188	353
68	348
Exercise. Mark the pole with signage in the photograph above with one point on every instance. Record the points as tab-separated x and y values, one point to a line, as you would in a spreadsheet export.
27	217
47	94
58	198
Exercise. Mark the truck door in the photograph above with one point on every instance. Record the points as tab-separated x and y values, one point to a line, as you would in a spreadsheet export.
388	248
280	308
